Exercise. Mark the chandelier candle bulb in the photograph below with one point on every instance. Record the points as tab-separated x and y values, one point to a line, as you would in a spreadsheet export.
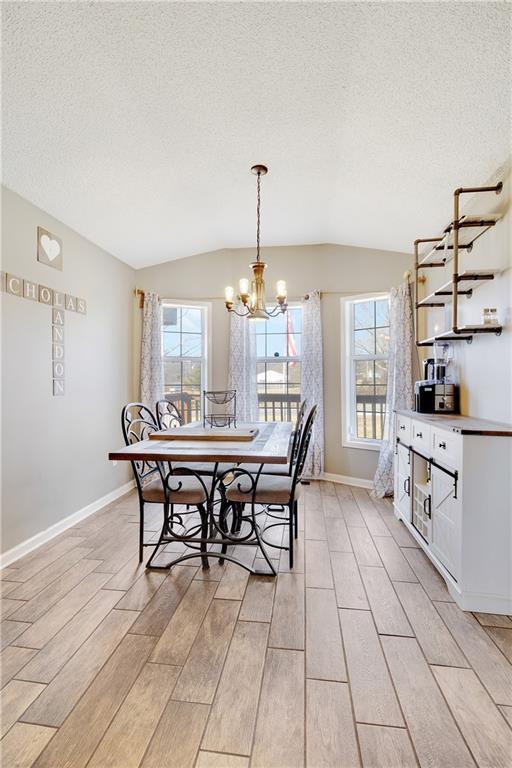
243	286
281	289
229	294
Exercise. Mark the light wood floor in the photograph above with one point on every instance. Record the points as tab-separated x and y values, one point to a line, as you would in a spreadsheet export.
358	657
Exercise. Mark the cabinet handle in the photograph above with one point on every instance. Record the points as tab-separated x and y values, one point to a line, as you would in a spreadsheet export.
407	486
428	512
419	434
402	426
442	445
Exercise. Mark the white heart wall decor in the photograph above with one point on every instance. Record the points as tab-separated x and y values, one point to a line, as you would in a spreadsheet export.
51	247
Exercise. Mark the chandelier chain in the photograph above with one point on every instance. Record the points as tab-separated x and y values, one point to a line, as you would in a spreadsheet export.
258	218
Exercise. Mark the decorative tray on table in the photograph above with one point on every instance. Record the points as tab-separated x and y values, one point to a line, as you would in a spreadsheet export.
233	434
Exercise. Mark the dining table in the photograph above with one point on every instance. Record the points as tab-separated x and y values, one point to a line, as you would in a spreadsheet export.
246	448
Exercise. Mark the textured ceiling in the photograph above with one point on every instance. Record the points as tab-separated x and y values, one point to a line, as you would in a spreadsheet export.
137	123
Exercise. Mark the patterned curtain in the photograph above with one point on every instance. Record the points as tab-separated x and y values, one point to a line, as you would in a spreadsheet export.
312	378
242	366
402	373
151	365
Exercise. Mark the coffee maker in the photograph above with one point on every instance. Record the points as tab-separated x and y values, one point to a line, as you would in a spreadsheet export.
436	392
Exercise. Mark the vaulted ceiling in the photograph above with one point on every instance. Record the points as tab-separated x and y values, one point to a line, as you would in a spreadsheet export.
136	123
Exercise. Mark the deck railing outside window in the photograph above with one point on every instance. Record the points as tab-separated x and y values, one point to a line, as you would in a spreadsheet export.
188	404
274	407
370	411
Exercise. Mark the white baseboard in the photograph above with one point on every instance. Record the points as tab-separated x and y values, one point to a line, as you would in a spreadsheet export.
359	482
49	533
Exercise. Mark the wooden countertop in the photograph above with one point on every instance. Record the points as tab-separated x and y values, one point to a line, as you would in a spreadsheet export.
464	425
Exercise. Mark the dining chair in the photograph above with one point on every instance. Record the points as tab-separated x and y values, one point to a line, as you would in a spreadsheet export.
287	469
167	415
152	478
275	490
138	422
187	487
220	397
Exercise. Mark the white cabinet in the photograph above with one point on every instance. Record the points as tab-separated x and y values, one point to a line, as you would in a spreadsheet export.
445	520
453	493
403	481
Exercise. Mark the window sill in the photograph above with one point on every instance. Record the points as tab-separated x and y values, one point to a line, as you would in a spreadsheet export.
365	445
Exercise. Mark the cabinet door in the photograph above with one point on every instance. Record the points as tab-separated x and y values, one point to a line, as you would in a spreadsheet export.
403	482
446	512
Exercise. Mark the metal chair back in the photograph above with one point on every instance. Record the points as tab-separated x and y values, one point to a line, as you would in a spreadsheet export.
138	422
219	418
167	415
133	412
297	434
305	440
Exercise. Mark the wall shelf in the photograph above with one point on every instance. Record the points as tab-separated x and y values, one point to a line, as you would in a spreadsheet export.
464	333
496	329
467	282
458	236
445	337
479	223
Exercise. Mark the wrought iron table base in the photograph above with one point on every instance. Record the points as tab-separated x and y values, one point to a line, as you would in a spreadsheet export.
214	532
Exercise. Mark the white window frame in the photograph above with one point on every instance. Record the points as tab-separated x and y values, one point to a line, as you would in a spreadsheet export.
287	358
206	359
348	358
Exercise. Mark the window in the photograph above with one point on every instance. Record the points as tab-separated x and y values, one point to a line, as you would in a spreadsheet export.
279	349
366	358
184	352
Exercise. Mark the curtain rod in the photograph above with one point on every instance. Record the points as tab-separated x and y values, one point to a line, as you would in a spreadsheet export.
140	293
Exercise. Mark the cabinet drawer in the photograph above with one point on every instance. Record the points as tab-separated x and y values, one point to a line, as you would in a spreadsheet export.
403	429
447	447
420	434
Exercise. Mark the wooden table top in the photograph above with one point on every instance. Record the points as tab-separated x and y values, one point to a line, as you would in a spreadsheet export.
270	446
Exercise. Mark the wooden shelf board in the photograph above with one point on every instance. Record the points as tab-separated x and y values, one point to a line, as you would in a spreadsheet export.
443	295
445	336
466	239
497	329
465	333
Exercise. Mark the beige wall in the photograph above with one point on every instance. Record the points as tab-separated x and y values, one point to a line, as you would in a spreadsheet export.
54	449
337	270
484	366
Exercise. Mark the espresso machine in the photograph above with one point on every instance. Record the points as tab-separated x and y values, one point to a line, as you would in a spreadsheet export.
437	391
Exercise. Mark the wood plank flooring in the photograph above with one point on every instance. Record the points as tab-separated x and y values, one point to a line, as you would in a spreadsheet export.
357	658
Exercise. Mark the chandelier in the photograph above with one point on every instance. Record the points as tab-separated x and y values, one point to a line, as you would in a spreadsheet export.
252	295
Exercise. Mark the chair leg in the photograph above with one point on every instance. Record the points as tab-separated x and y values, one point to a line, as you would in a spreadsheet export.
141	530
163	533
168	511
290	534
236	522
204	535
224	507
296	517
